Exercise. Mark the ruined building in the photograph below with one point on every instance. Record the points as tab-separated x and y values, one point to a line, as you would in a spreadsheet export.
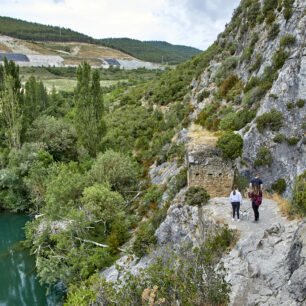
207	169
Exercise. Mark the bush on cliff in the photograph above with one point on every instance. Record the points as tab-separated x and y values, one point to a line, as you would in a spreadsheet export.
231	145
196	196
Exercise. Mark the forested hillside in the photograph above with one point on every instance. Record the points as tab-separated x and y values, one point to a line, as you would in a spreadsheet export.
152	51
38	32
147	51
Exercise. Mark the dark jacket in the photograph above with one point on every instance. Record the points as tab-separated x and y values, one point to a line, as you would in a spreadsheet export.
255	198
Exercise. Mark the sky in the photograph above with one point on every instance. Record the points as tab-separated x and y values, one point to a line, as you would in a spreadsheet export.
195	23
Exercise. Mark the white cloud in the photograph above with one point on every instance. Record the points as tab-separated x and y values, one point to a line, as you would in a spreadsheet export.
189	22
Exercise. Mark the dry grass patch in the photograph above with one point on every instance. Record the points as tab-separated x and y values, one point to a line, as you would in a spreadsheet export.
4	48
283	205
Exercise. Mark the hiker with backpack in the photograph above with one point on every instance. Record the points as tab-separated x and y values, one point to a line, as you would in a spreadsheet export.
256	198
236	201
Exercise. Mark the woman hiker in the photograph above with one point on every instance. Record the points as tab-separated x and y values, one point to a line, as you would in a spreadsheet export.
256	198
236	201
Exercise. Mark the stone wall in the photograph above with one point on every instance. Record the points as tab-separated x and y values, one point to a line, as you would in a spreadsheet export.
207	169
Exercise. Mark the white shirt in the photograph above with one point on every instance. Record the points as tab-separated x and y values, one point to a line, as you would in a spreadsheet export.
236	198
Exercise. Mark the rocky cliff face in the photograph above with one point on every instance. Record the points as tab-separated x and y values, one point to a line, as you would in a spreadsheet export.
257	50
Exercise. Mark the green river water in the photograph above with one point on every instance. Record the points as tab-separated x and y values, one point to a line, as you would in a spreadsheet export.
18	285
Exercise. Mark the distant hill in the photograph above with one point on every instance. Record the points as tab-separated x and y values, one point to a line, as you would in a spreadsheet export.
151	51
38	32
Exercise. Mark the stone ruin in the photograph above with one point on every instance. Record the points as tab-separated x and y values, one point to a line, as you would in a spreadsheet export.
207	169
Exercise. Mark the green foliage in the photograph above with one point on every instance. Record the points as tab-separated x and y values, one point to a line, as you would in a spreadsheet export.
253	82
225	69
279	138
57	135
270	18
273	120
256	66
116	169
235	121
279	58
177	183
263	157
174	277
64	187
300	103
287	40
273	32
292	140
89	109
269	5
174	84
298	199
254	95
231	145
152	51
205	113
196	196
11	104
204	94
279	186
287	12
290	105
241	181
228	84
144	240
35	31
151	199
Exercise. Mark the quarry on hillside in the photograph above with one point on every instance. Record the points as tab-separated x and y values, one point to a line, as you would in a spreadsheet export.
68	54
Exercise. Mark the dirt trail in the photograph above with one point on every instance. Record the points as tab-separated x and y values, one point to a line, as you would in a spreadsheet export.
221	209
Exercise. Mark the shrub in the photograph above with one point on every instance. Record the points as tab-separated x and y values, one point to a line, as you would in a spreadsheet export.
269	5
231	145
287	40
253	82
290	105
292	141
273	120
287	12
263	157
241	181
207	111
279	138
196	196
279	58
179	182
300	103
273	32
255	67
204	94
231	122
255	95
270	17
223	71
115	168
58	136
144	239
279	186
227	84
247	54
298	200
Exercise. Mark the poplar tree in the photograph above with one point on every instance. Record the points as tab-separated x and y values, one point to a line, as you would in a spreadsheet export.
11	103
89	109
